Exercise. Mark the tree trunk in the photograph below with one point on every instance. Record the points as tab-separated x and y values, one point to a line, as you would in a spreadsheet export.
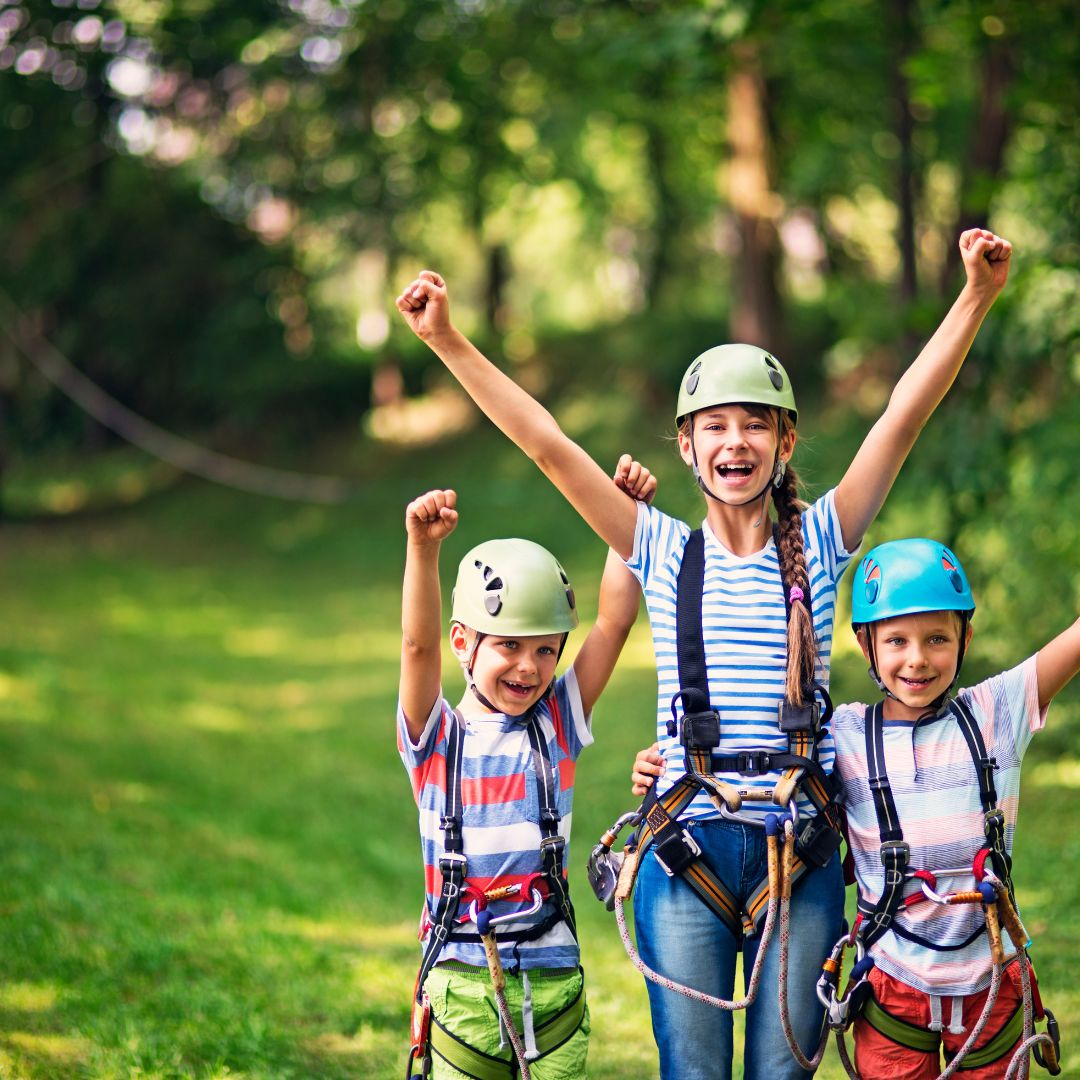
986	149
903	34
756	316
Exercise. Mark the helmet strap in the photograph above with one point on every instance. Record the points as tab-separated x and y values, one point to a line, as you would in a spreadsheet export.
775	480
470	682
935	706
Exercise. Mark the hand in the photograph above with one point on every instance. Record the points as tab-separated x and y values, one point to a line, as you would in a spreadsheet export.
986	260
431	518
633	478
648	765
425	305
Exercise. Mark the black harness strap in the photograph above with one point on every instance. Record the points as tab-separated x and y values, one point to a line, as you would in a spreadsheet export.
896	853
993	818
454	866
452	862
552	844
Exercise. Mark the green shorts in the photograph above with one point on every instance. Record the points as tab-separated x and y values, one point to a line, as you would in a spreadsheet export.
463	1006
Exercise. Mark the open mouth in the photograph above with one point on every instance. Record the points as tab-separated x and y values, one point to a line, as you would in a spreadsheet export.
518	689
916	684
734	471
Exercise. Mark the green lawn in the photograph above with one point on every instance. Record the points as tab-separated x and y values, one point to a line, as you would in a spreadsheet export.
208	855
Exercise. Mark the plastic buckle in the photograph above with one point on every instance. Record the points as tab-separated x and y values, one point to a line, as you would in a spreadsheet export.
701	730
792	718
679	850
818	842
753	762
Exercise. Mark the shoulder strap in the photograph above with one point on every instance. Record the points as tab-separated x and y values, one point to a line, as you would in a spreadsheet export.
993	818
552	844
894	851
689	637
452	862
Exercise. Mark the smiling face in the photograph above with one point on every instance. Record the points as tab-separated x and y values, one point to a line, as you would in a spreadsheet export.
511	672
916	657
736	447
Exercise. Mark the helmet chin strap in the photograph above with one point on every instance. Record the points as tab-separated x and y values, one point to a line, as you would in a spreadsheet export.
935	706
774	481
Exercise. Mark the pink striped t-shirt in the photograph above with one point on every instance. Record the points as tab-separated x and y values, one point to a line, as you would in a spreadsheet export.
936	789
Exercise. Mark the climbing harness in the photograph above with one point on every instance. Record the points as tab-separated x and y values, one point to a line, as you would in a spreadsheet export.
546	888
793	847
992	870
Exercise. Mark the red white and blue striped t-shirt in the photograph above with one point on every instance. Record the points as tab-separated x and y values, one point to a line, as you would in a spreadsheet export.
936	788
500	811
745	630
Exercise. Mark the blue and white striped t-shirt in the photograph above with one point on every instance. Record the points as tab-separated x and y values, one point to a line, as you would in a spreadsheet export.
936	788
745	629
500	812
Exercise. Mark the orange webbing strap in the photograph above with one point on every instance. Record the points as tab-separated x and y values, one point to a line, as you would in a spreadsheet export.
661	816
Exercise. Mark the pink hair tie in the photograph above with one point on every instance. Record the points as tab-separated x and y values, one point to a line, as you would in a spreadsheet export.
795	594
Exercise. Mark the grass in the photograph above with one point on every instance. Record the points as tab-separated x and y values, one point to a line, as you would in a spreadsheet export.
208	855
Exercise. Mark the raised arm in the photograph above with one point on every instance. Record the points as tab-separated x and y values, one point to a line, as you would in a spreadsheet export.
428	521
425	307
916	395
620	597
1057	663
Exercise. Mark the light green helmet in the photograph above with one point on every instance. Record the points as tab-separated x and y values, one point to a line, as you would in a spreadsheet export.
513	587
734	375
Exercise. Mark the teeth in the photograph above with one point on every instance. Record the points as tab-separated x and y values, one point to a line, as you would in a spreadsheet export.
742	470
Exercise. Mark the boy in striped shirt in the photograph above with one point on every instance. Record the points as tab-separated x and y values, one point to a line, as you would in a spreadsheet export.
494	783
911	776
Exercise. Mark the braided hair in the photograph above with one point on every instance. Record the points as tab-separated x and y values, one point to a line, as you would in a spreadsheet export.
802	646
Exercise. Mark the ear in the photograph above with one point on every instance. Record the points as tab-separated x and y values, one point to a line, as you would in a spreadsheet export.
788	439
686	451
460	640
968	635
861	636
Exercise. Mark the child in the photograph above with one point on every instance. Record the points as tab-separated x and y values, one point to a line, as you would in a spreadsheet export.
494	783
917	801
763	633
910	758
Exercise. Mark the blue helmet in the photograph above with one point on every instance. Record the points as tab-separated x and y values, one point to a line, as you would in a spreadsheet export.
905	577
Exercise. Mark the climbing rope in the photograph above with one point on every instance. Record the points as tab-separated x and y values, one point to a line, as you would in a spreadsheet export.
181	453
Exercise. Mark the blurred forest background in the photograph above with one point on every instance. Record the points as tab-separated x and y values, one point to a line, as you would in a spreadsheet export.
207	208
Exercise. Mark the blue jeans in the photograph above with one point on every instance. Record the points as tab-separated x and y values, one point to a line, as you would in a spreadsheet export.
678	936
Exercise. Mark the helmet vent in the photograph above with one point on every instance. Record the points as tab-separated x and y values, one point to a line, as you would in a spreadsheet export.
493	603
693	378
570	596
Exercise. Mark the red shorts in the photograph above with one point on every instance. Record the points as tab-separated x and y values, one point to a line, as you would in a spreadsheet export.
905	1013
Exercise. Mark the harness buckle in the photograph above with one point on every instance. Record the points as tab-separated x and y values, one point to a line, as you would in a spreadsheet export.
449	860
700	730
676	851
818	841
556	842
794	718
753	762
